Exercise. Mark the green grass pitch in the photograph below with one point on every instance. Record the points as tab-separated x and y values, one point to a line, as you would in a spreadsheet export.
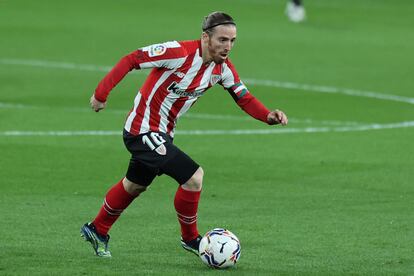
331	195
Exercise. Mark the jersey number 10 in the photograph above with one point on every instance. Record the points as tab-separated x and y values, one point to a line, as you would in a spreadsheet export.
153	140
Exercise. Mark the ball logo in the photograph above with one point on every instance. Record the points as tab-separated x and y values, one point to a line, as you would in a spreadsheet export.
157	50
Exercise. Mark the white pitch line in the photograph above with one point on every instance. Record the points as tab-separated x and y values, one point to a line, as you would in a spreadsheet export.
56	65
331	90
189	115
14	106
222	132
268	83
220	117
62	65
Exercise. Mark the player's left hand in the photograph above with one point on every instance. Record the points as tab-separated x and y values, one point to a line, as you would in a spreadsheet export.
277	117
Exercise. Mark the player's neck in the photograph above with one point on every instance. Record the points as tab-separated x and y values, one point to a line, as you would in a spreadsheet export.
205	55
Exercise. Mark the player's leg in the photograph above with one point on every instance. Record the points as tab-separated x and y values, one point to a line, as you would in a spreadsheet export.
116	200
186	205
186	200
195	183
138	177
190	177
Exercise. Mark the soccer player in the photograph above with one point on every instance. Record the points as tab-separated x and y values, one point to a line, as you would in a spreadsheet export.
295	11
181	73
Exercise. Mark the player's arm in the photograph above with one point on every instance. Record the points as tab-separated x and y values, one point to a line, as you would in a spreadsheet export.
169	55
117	73
250	104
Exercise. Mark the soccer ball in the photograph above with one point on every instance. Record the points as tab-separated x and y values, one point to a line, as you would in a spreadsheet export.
219	248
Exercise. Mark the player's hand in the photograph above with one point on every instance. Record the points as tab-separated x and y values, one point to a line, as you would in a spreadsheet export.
96	105
277	117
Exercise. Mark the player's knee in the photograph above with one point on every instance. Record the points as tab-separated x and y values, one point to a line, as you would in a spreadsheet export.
195	183
132	188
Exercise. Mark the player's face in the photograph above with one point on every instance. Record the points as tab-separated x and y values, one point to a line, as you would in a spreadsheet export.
221	42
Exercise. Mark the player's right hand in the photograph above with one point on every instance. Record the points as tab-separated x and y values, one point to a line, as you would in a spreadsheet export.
96	105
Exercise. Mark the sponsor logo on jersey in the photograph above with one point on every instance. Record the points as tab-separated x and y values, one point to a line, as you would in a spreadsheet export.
174	88
214	79
157	50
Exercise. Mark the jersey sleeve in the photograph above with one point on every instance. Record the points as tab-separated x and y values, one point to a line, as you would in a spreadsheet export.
245	100
167	55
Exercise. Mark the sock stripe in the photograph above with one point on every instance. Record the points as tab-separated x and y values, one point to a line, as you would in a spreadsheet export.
187	217
187	222
113	209
111	213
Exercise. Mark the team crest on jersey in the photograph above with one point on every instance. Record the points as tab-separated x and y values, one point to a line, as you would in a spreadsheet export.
179	74
157	50
161	150
214	79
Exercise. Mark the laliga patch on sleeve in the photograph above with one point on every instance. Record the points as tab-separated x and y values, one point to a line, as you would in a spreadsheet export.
157	50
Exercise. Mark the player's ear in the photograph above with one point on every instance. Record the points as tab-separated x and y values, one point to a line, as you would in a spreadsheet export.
205	37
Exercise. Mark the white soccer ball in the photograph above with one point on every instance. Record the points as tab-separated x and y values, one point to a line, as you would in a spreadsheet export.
219	248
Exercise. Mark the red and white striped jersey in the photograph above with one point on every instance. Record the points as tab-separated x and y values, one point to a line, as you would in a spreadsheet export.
178	78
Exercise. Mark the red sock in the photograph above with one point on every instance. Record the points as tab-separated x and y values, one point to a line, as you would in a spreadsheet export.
116	200
186	204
